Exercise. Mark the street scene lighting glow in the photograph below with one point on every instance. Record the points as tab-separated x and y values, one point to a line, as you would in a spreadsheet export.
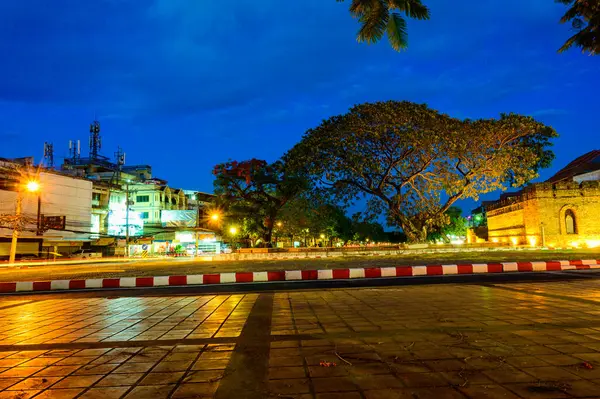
214	216
33	186
233	230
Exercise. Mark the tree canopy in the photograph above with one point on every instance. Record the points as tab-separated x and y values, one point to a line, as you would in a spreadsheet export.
254	192
584	16
413	162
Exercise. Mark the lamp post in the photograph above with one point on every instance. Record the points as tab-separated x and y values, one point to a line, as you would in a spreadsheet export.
127	219
233	231
197	223
32	186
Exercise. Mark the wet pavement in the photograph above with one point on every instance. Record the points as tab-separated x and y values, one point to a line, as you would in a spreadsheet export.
489	340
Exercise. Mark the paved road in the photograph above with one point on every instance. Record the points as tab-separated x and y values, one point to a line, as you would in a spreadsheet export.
183	266
526	339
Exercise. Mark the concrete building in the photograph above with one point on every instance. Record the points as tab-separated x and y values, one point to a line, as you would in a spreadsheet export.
561	212
58	196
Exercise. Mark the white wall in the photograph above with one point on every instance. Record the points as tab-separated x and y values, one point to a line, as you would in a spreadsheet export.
61	196
591	176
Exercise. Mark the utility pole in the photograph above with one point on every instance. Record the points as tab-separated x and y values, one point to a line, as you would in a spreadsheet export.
39	215
197	223
127	219
16	227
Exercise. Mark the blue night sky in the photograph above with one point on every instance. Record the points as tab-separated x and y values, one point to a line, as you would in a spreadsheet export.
183	85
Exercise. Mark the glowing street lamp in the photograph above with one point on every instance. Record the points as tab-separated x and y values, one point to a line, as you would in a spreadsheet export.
233	231
33	186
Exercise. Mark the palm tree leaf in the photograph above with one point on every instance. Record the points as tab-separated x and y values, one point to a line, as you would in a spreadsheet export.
412	8
374	23
396	31
361	7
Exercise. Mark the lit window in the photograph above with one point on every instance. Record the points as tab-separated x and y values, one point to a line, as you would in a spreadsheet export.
142	198
570	225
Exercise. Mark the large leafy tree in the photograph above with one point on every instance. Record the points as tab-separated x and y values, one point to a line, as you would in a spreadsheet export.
254	192
584	16
413	163
378	17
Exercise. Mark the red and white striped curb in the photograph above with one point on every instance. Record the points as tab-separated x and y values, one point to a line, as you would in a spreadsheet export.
299	275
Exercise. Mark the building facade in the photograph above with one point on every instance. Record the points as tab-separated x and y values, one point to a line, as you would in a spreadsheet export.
58	196
562	212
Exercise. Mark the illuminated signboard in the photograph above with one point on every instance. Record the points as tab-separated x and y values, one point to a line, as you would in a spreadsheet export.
178	218
117	220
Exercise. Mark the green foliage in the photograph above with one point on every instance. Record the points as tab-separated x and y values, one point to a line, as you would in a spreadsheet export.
413	163
254	192
377	17
584	16
306	217
454	225
366	230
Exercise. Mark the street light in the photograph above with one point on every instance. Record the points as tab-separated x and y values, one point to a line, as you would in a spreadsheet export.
31	186
233	230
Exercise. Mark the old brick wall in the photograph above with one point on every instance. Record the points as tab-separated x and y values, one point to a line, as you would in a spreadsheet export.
541	211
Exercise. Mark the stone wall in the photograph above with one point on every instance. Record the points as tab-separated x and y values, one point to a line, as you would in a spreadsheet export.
539	215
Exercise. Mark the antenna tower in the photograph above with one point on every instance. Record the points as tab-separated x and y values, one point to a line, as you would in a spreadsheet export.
95	140
49	155
120	157
74	150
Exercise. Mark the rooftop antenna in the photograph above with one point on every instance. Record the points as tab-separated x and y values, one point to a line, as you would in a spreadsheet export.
95	140
74	150
49	155
120	157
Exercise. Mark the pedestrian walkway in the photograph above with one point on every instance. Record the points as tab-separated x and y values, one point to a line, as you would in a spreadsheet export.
518	340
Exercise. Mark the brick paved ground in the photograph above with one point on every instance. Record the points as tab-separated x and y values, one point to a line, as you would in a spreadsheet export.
183	266
518	340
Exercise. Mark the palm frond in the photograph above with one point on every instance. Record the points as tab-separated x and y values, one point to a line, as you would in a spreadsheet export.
374	23
396	31
412	8
362	7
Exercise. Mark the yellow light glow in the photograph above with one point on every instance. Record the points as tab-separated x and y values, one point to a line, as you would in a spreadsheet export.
514	240
592	243
574	244
322	236
532	241
215	216
233	230
33	186
279	224
495	240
